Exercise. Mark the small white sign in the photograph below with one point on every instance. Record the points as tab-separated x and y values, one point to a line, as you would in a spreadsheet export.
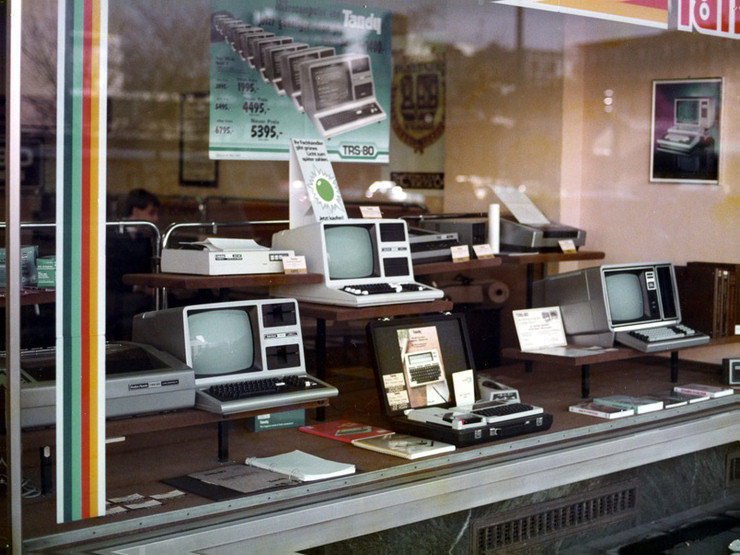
370	212
294	264
464	384
539	328
567	245
483	251
460	253
314	194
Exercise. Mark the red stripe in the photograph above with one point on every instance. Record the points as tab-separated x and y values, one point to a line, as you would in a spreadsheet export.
85	321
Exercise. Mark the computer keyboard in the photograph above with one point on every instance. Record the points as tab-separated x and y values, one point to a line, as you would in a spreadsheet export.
426	374
261	393
337	120
380	288
497	411
664	338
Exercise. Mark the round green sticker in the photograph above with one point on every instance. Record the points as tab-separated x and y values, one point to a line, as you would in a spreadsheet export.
324	189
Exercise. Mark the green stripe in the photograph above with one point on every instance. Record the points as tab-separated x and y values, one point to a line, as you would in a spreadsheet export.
74	46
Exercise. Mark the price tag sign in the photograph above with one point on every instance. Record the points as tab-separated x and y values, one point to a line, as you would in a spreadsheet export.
370	212
460	253
294	264
567	245
483	251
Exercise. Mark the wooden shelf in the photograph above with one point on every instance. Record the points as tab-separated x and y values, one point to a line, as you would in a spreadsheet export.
196	281
548	257
345	314
33	296
425	269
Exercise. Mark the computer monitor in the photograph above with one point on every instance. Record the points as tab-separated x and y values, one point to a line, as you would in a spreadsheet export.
227	341
598	302
339	93
248	53
697	112
242	40
233	32
352	253
273	70
260	50
290	69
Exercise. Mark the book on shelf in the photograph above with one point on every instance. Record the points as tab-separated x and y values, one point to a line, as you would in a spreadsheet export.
710	301
640	405
302	466
344	430
673	398
711	391
592	408
404	446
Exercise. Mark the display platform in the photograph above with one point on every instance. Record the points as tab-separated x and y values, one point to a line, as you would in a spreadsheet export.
576	447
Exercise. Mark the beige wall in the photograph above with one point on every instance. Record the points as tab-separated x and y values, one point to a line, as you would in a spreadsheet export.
591	168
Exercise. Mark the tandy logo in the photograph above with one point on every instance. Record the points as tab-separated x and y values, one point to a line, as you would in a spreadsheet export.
710	17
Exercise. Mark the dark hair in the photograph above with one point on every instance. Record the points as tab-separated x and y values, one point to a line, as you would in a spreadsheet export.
138	198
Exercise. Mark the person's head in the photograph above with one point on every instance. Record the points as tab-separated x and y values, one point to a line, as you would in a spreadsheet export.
140	204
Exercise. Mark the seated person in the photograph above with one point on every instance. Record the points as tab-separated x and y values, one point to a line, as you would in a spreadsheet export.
129	250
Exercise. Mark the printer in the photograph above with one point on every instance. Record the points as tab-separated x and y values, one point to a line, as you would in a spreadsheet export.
139	379
527	229
537	237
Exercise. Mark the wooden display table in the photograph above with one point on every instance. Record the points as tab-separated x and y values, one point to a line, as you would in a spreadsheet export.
584	361
428	268
117	429
195	281
32	296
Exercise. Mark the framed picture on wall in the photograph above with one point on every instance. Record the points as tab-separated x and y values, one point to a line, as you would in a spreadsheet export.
686	118
196	169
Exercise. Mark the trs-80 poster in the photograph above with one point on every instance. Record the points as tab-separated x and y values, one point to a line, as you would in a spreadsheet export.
299	69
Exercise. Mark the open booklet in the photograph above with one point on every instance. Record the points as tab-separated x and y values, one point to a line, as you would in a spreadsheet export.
302	466
404	446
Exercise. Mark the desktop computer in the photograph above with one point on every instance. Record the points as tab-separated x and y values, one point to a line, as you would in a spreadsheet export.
633	304
364	263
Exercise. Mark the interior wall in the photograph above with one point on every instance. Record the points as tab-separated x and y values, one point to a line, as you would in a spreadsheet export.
627	216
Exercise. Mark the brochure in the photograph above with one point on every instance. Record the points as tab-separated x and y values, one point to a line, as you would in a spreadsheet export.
346	431
302	466
405	446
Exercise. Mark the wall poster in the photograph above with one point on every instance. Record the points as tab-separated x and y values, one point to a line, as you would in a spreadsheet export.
685	143
285	69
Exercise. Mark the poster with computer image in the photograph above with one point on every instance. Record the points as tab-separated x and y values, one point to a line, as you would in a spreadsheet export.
423	367
301	69
685	145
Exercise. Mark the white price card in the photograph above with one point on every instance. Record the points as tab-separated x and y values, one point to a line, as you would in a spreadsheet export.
294	264
539	328
483	251
460	253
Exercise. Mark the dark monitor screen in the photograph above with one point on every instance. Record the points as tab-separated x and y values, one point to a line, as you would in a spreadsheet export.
350	251
332	84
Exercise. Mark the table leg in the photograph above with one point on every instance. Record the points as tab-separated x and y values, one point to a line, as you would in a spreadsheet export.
585	381
674	366
320	349
223	441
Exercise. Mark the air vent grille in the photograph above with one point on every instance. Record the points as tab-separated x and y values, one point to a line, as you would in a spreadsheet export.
561	517
733	469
